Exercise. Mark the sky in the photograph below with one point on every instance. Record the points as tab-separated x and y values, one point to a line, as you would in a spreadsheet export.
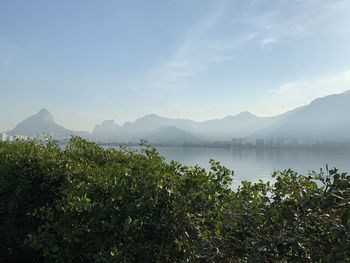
87	60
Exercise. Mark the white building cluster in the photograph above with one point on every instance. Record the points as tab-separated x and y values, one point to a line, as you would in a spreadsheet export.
4	137
271	142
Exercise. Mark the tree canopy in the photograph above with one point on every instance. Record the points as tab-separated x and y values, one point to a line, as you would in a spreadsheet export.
85	203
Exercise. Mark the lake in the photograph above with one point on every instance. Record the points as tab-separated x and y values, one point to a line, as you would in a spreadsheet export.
253	164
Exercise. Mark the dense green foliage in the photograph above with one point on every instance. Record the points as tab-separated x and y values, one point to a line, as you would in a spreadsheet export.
84	203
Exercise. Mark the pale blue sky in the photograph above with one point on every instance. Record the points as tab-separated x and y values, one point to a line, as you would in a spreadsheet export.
88	60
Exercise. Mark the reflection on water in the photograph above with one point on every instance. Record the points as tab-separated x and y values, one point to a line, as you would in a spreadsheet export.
255	164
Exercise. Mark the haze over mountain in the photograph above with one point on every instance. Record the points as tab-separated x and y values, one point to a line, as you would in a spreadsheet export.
106	131
240	125
44	123
230	127
325	119
279	120
171	134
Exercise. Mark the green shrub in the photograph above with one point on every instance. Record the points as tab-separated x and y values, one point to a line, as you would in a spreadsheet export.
85	203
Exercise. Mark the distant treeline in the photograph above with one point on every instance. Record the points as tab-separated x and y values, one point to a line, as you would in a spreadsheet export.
86	203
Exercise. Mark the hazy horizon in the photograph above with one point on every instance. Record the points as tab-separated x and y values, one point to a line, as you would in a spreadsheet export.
87	62
160	115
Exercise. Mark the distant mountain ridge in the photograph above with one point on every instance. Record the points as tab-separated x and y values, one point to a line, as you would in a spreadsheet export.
324	119
217	129
172	135
106	130
44	123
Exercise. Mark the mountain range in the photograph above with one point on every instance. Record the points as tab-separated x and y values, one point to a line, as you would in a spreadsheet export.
325	119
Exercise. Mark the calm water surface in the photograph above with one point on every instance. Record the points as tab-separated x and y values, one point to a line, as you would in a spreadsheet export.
255	164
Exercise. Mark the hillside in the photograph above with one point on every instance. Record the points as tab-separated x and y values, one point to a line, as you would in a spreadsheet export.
171	134
325	119
44	123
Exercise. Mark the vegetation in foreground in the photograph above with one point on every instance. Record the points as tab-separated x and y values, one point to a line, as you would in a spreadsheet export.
85	203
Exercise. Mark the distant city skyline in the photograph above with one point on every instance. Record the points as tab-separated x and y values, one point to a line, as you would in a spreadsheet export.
86	61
